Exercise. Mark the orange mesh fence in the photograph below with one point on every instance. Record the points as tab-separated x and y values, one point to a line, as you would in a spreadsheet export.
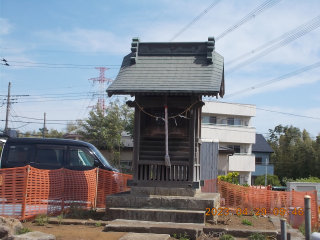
80	188
27	191
44	193
247	200
109	183
13	183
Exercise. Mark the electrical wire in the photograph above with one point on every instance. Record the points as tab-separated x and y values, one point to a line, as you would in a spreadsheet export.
157	17
65	64
54	67
33	122
275	47
305	69
196	19
84	102
43	119
59	100
15	110
293	31
264	6
62	51
245	105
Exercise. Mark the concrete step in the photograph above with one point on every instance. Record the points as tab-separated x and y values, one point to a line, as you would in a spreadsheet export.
145	236
157	215
179	229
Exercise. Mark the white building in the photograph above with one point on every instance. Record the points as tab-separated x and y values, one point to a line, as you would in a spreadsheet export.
230	123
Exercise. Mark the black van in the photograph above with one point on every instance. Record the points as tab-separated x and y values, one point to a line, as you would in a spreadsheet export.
46	153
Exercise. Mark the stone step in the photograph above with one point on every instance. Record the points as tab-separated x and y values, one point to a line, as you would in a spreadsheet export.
179	229
145	236
157	215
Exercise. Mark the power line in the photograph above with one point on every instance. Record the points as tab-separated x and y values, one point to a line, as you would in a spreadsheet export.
157	17
62	51
245	105
66	64
301	27
34	122
55	67
275	80
42	119
196	19
59	100
275	47
267	4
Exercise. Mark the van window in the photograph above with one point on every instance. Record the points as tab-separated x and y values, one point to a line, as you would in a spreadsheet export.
49	154
81	157
20	153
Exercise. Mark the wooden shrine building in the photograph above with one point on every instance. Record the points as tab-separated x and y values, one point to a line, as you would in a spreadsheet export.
168	81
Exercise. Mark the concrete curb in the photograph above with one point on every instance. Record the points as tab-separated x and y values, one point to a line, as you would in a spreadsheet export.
54	220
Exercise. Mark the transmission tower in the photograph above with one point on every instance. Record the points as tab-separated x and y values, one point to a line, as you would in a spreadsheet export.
102	91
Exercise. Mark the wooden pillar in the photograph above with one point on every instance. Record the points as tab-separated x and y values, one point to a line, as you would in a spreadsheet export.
136	142
191	144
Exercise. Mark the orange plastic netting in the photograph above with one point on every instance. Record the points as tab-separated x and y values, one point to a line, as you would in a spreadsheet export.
27	191
109	183
240	199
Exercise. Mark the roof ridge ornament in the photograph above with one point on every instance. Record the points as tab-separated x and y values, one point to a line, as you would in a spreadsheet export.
210	48
134	50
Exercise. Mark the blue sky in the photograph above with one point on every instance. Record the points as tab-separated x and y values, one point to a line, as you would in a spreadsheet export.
53	46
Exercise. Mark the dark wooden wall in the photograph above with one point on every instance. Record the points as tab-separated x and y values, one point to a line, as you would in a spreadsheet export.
149	141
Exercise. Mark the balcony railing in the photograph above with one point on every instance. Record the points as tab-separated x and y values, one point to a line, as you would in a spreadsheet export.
228	125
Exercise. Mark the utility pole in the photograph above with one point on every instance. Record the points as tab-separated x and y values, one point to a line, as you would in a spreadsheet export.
8	107
44	126
265	180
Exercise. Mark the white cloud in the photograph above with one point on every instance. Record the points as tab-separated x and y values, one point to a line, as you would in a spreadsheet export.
5	26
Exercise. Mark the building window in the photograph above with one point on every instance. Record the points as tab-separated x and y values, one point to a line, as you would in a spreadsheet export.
209	120
236	148
234	121
259	160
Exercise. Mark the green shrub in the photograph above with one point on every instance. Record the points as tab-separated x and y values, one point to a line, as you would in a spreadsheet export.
230	178
23	231
227	237
257	236
302	229
42	219
271	180
246	222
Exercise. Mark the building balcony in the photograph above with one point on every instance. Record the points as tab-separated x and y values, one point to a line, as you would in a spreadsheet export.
242	162
229	133
261	170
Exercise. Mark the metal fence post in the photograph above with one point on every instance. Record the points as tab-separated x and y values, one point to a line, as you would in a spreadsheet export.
283	229
307	212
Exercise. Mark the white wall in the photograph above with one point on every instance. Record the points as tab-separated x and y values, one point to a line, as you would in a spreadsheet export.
229	134
229	109
223	163
242	163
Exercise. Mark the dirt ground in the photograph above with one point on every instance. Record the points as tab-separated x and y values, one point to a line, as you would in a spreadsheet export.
82	232
235	222
75	232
